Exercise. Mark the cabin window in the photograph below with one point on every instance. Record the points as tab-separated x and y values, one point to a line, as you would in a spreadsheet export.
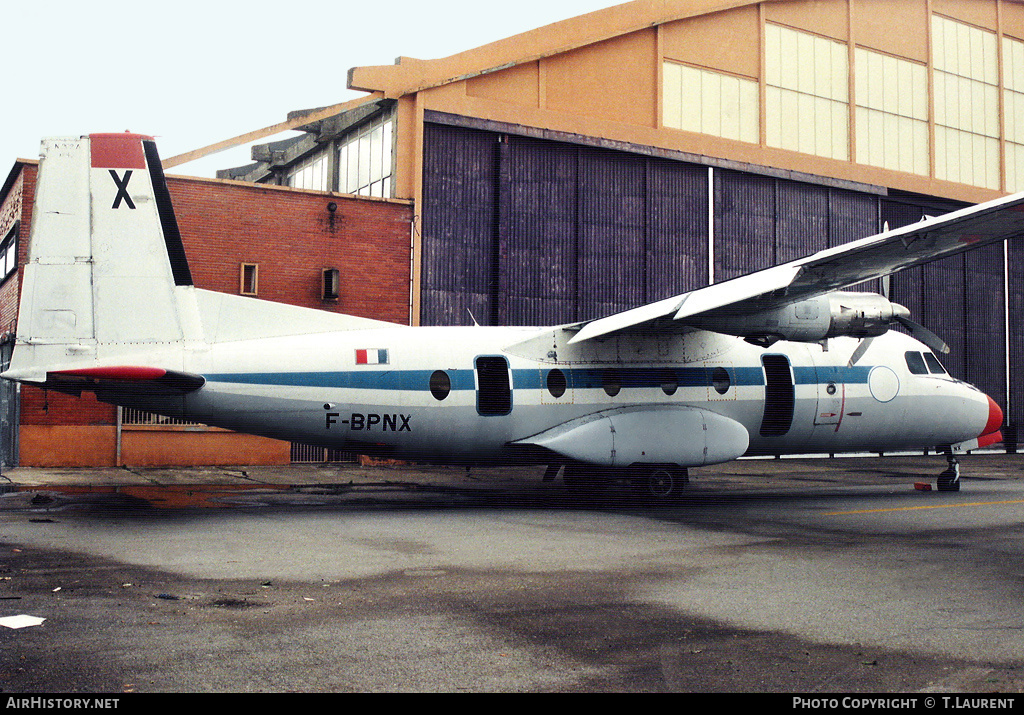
669	382
915	363
440	384
557	383
611	380
720	380
934	366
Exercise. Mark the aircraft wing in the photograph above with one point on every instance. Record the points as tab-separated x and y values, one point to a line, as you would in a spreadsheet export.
826	271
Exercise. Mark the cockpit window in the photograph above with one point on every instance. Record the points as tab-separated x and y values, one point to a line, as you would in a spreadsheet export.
915	362
934	366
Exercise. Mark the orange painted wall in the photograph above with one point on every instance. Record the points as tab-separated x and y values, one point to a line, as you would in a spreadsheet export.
67	445
152	448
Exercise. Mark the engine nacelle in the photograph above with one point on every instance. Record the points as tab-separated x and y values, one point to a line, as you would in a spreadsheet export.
839	314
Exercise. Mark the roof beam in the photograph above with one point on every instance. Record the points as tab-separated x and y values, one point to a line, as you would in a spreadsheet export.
257	134
410	75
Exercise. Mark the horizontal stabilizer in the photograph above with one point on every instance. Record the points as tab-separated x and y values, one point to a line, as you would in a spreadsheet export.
152	380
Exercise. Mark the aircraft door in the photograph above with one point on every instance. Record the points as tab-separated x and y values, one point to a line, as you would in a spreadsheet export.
779	396
493	386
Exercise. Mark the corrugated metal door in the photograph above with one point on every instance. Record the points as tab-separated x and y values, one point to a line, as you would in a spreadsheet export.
545	232
745	220
961	298
984	321
538	251
611	232
761	221
677	228
459	213
1015	416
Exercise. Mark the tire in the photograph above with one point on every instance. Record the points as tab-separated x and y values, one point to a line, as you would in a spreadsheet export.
948	483
662	483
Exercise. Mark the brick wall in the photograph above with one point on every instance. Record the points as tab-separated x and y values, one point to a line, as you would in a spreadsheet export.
292	236
16	206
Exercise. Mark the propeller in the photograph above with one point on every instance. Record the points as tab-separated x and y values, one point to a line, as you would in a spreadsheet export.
862	347
923	334
902	316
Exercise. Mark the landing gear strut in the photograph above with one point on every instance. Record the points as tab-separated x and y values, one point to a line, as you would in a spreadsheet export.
949	480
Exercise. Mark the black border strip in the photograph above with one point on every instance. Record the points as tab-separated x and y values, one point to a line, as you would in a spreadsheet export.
172	236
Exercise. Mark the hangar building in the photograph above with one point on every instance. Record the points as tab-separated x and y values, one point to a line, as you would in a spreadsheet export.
643	150
657	146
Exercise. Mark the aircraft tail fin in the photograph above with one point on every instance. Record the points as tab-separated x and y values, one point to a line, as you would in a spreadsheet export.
91	296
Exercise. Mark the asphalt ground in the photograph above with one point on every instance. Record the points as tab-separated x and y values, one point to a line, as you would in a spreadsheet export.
744	475
803	576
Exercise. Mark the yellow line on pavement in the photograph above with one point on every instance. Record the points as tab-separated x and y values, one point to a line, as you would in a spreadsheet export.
915	508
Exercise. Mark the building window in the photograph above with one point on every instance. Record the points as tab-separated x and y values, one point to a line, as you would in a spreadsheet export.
966	79
700	100
311	174
365	159
9	253
249	279
806	93
1013	107
891	96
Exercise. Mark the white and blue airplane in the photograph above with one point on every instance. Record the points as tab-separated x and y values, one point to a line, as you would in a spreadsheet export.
780	361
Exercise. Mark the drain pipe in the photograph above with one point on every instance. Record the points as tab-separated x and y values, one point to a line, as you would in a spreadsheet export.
117	462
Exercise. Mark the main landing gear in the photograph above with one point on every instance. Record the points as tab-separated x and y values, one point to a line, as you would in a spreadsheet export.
661	483
949	480
655	483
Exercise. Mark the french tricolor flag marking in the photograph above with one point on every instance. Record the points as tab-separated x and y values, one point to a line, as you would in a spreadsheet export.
372	356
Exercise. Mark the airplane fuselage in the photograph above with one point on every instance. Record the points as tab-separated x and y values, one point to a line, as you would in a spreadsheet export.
479	394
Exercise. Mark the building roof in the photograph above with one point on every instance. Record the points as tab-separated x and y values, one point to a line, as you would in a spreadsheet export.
410	75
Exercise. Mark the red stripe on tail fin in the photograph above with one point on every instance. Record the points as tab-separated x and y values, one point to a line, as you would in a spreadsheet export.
118	151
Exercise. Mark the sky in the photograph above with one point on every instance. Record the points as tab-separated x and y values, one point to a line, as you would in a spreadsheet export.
195	72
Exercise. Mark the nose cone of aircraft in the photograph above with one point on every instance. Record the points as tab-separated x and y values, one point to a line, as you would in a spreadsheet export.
991	434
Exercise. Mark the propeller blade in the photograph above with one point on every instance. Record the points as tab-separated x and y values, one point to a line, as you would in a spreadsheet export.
862	348
923	334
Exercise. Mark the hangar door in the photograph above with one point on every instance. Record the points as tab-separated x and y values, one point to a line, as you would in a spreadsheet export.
523	231
962	298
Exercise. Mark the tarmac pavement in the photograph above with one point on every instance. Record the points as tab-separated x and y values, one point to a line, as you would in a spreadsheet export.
740	475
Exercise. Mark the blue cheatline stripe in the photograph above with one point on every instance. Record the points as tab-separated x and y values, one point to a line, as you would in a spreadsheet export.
858	374
577	378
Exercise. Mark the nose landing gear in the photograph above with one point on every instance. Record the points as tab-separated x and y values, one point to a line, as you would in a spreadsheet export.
949	480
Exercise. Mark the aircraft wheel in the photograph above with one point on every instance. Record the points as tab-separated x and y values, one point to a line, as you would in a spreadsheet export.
663	483
949	480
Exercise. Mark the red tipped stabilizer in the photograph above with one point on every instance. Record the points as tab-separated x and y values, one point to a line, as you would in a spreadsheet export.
126	372
155	377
